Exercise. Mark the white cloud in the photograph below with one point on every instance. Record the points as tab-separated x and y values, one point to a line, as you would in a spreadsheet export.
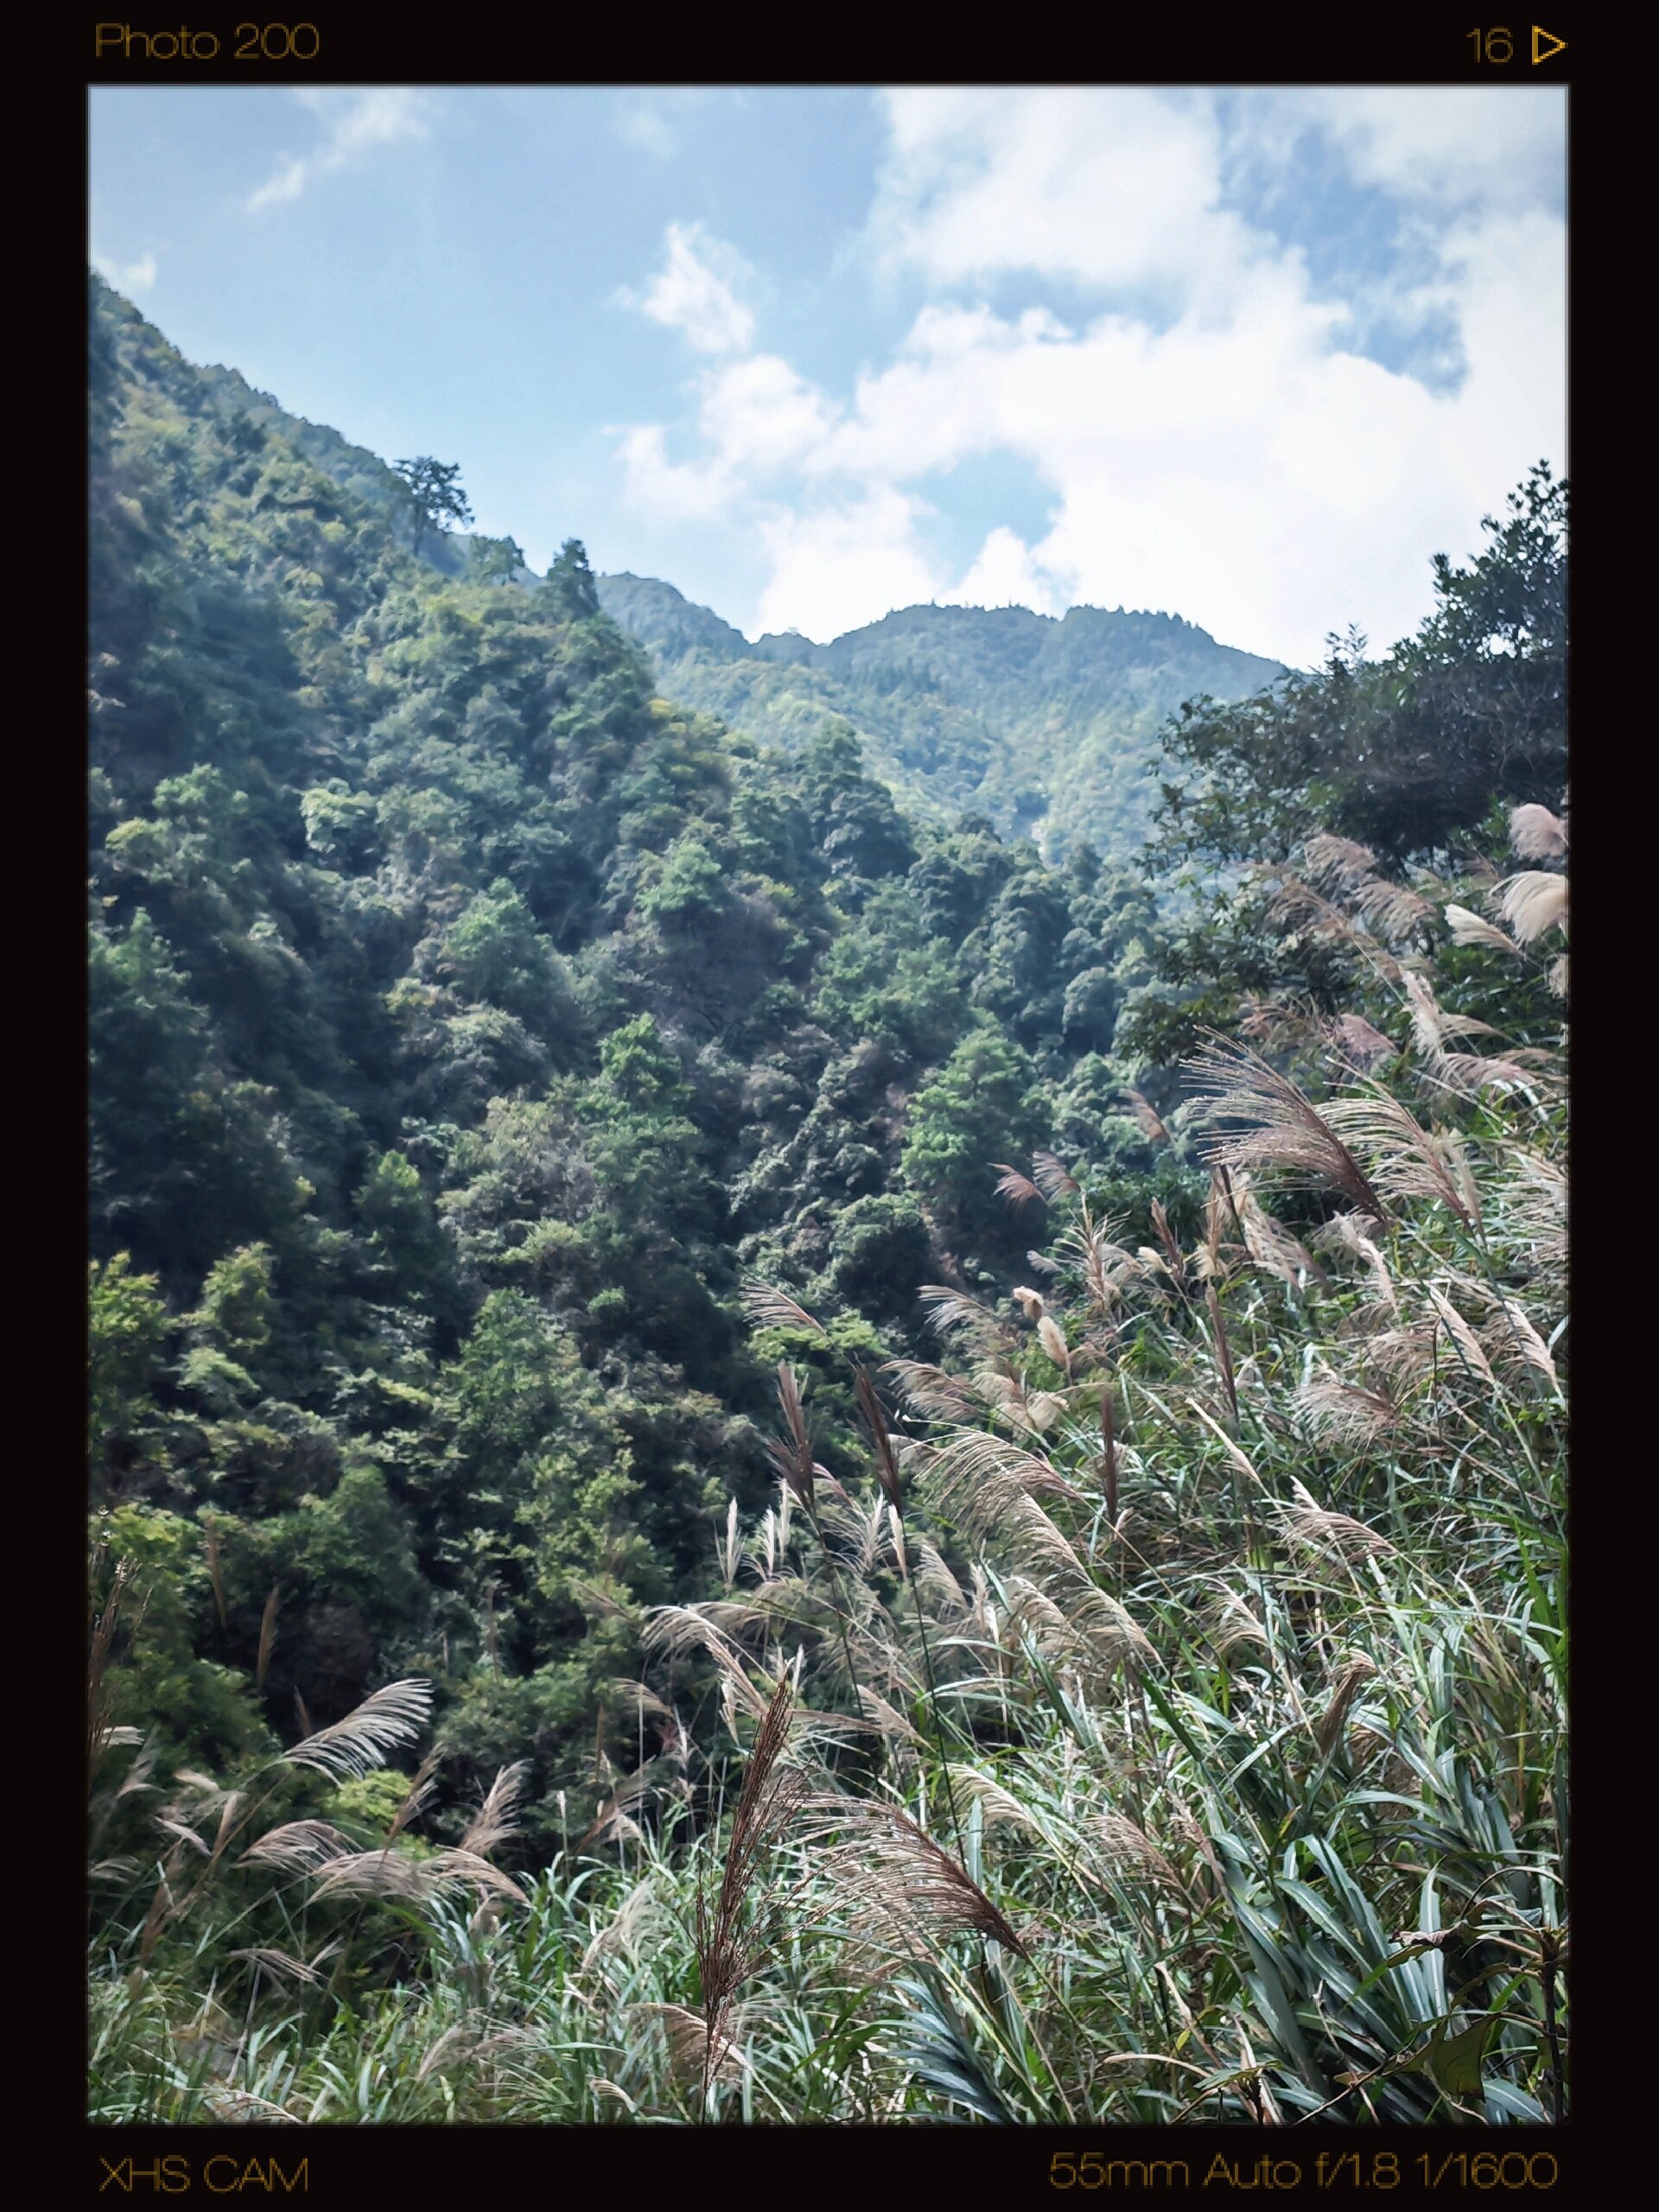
836	567
757	417
696	292
357	124
1122	188
1498	144
1006	573
1213	439
133	278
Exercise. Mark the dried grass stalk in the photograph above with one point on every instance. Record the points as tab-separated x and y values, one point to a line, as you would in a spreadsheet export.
1533	904
1281	1131
900	1883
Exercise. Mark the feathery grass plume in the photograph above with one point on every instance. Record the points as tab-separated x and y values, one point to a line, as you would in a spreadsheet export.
1053	1177
1233	1627
1052	1338
1296	909
1467	1073
998	1807
880	1438
730	1938
1236	1457
1344	1232
1148	1115
1315	1529
661	1775
1017	1189
1044	1408
1127	1849
1167	1238
1030	1303
1402	1158
1283	1132
1462	1334
1533	904
1535	834
792	1454
1401	1356
1348	870
298	1846
691	2054
896	1876
495	1821
1345	1411
416	1797
267	1635
892	1724
1355	1672
282	1966
623	1931
1469	928
729	1552
647	1704
953	1312
1269	1245
976	1475
1556	976
1531	1198
1515	1346
928	1391
935	1581
677	1632
388	1872
771	1308
1359	1044
386	1719
1108	1267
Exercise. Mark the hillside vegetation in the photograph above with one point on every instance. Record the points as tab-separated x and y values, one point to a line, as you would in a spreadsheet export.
751	1457
1049	729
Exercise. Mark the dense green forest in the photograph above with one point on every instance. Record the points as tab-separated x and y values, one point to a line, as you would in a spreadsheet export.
651	1306
1049	729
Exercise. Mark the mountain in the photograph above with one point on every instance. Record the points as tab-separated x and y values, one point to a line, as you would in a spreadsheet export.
468	1020
1046	727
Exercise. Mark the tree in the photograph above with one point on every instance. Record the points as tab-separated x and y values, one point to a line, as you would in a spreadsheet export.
570	582
1406	753
435	495
495	560
978	1109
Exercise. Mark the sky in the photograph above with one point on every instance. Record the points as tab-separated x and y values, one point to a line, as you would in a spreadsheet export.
1248	356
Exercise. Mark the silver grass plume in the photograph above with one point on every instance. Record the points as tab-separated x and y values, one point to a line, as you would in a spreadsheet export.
1280	1129
385	1720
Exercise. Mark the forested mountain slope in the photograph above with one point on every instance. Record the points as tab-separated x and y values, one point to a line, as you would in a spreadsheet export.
467	1020
1046	727
641	1566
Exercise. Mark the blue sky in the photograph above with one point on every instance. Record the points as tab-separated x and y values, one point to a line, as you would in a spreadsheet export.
1247	356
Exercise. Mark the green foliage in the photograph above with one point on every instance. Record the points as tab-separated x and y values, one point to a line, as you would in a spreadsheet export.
469	1025
980	1108
1045	728
435	496
127	1325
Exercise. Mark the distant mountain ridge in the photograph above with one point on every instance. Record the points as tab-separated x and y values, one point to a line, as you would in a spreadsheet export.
1043	724
1046	726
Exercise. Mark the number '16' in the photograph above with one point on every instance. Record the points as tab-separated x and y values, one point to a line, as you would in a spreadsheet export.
1495	47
